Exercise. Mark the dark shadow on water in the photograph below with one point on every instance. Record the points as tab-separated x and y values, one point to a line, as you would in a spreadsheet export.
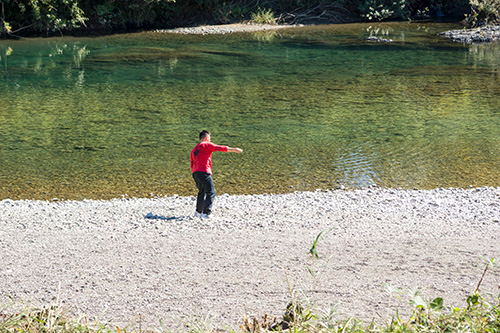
151	216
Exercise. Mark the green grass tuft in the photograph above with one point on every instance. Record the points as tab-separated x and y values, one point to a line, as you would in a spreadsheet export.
264	16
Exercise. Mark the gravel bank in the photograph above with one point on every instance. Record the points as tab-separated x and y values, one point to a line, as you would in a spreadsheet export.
142	260
225	29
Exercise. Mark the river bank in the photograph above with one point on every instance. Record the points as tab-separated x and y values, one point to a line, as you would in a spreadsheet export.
480	35
135	261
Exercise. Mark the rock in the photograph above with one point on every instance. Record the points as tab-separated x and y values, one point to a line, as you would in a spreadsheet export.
379	40
484	34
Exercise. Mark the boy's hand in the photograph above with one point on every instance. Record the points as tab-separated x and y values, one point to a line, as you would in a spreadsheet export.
234	150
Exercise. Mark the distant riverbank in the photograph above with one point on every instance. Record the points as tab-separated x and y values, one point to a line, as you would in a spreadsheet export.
484	34
53	18
142	260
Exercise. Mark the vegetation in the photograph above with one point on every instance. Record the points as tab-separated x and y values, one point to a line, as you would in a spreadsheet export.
478	316
49	319
484	11
40	15
264	16
18	17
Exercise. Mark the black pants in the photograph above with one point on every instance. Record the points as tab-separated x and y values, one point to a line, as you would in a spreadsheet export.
206	192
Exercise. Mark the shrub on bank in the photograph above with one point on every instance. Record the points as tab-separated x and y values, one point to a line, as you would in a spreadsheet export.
484	12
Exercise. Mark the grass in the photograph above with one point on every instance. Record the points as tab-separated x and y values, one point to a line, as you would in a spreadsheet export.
52	318
478	316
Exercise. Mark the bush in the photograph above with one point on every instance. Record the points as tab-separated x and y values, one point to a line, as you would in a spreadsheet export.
378	10
127	14
484	12
264	16
40	15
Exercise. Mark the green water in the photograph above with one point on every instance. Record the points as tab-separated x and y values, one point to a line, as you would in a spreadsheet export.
312	107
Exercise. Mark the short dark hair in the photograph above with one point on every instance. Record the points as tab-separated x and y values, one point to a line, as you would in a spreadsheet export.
203	134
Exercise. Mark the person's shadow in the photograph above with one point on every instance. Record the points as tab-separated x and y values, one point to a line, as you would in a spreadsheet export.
151	216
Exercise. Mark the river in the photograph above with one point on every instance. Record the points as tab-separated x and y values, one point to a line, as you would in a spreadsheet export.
313	108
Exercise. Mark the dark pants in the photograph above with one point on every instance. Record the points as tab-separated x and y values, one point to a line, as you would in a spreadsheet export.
206	192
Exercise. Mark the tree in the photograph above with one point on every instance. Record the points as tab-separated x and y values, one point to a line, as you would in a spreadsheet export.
40	15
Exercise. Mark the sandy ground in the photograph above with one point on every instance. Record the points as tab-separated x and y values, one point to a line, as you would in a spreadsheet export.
138	261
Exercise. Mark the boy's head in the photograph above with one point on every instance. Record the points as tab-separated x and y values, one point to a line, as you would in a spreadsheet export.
204	134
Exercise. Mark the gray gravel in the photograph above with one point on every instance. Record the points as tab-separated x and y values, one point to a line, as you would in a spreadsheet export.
138	261
484	34
223	29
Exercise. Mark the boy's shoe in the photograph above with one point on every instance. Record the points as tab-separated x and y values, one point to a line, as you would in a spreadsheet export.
196	214
205	216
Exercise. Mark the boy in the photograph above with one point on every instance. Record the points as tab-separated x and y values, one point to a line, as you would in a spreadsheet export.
201	167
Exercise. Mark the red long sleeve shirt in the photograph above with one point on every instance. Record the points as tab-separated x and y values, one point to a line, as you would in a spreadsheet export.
201	156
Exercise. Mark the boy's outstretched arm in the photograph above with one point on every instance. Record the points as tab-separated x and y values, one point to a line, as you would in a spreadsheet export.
234	150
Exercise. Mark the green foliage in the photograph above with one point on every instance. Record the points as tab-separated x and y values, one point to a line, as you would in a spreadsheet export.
426	317
313	250
48	319
41	15
484	11
5	28
56	15
124	14
379	10
264	16
47	16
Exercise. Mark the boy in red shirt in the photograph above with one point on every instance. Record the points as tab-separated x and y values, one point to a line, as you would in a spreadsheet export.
201	167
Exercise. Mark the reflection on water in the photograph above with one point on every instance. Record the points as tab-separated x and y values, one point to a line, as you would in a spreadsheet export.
316	107
355	166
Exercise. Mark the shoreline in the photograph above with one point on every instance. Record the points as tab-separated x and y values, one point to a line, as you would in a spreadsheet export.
134	261
480	35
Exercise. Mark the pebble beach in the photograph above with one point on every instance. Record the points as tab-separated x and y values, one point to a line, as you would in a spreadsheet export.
139	262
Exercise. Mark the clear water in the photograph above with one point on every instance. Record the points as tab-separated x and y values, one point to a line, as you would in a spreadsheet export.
312	107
